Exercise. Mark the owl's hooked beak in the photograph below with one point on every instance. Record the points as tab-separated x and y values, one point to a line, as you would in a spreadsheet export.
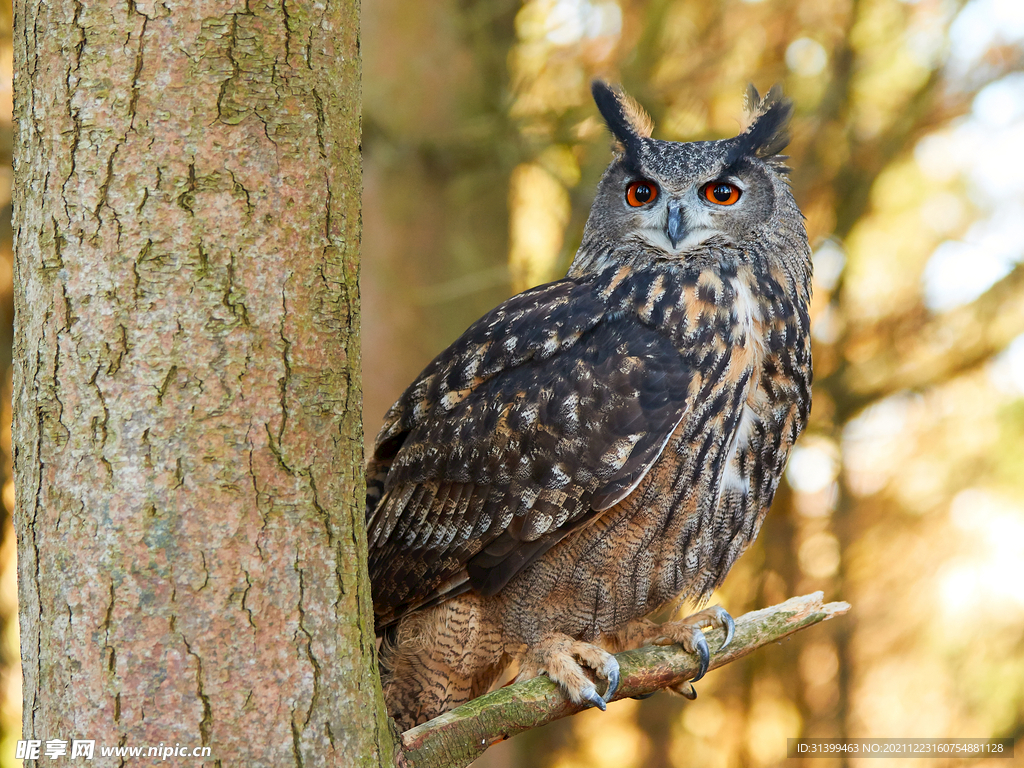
676	228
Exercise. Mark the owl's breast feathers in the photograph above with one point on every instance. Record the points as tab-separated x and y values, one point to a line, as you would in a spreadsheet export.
552	409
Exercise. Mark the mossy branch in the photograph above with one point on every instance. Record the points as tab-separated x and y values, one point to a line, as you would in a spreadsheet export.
457	738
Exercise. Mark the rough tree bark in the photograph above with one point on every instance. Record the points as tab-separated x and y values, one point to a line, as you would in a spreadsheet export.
187	405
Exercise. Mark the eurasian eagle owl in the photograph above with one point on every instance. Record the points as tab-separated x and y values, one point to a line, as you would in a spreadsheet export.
599	446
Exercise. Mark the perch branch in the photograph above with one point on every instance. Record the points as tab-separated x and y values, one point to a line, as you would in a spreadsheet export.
456	738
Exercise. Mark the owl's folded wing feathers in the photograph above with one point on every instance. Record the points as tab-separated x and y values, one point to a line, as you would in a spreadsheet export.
546	412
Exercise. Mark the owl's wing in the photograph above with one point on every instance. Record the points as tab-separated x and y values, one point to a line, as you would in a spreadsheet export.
546	412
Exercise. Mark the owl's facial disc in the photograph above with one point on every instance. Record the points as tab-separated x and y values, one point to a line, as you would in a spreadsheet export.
678	223
698	212
675	228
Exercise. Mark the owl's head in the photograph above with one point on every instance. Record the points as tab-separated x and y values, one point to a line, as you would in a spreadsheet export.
671	200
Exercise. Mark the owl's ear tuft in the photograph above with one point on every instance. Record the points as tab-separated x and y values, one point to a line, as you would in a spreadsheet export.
767	134
626	119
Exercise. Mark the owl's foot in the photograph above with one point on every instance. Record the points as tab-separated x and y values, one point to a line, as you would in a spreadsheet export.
687	633
562	659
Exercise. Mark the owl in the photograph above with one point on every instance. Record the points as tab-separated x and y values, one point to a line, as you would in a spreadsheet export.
601	446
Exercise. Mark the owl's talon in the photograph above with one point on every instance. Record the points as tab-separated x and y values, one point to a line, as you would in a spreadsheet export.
611	673
703	654
642	696
730	627
590	694
686	690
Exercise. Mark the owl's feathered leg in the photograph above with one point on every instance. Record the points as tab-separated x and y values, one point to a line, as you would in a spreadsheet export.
420	686
562	658
439	658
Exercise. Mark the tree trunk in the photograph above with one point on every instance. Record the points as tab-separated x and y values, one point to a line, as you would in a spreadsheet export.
187	387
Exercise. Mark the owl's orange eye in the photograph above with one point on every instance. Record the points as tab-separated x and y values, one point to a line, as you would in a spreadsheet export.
641	192
720	192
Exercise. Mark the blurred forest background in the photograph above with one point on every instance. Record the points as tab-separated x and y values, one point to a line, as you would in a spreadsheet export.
906	495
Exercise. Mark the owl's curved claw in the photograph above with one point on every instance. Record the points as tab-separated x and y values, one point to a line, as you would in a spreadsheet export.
642	696
686	690
611	672
730	628
590	694
700	644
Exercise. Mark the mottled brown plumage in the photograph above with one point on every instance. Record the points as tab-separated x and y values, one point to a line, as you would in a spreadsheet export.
597	447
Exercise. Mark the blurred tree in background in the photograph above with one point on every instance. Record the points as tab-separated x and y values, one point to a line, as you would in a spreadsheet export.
906	496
